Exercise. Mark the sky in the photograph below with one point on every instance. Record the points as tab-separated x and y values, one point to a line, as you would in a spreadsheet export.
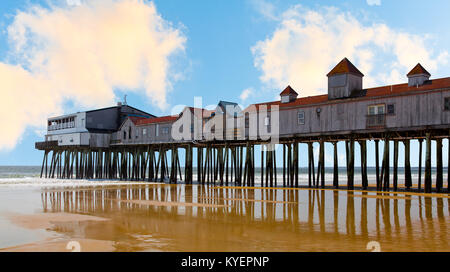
63	56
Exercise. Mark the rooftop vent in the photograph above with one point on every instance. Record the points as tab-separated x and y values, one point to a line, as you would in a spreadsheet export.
343	79
418	76
288	95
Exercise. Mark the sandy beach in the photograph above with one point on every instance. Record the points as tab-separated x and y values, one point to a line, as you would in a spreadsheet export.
163	217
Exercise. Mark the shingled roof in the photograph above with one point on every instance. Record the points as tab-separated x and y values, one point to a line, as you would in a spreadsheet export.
344	67
162	119
418	70
288	91
136	119
394	90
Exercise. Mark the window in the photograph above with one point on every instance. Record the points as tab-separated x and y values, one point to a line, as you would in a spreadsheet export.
376	116
165	130
301	117
137	133
376	109
391	109
447	103
129	132
124	135
267	121
157	130
144	131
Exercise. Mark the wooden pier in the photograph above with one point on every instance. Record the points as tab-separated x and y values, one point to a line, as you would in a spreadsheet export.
233	163
129	144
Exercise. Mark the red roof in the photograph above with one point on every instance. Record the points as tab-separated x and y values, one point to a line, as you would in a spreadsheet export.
135	119
343	67
418	70
400	89
162	119
288	91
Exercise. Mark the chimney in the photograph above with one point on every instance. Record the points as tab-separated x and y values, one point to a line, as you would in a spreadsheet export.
288	95
418	76
343	79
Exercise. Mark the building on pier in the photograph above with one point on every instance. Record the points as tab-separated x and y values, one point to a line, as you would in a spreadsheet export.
145	130
126	143
348	109
89	128
419	105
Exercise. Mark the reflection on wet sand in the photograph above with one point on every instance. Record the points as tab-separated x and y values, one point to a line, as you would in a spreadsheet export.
207	218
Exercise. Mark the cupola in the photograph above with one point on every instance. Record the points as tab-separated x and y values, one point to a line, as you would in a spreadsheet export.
343	79
418	76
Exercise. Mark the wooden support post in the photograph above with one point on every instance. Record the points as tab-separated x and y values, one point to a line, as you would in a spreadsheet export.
408	180
387	165
179	166
396	164
311	183
199	164
439	168
252	165
227	159
241	164
288	165
428	164
158	163
266	165
335	166
296	164
272	165
448	166
275	165
377	163
43	162
291	167
363	149
204	176
284	165
322	164
262	165
350	165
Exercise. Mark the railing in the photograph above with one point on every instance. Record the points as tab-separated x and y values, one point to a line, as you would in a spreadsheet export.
61	126
376	120
45	145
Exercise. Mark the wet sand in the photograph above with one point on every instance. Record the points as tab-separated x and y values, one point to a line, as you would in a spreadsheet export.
48	220
85	245
163	217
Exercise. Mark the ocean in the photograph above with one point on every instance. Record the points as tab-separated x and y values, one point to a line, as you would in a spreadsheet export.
112	215
23	175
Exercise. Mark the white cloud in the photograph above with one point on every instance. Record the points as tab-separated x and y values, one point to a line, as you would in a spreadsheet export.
83	53
308	43
374	2
246	93
265	8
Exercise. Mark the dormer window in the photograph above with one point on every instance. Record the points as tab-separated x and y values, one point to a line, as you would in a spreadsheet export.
418	76
288	95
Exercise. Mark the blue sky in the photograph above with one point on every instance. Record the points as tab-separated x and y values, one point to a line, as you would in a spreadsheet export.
220	52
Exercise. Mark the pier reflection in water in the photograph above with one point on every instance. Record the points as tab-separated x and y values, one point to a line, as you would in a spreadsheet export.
207	218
